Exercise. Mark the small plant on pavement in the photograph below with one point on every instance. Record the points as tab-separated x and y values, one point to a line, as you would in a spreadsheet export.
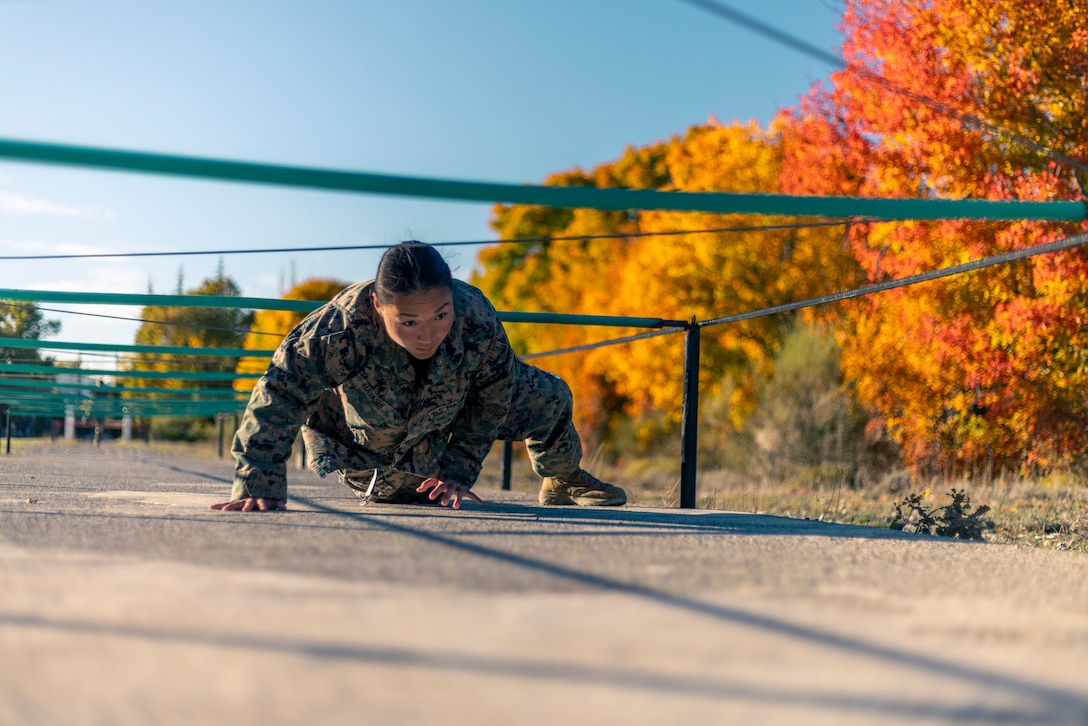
952	520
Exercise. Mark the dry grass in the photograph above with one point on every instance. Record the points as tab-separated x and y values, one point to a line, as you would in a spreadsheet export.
1050	513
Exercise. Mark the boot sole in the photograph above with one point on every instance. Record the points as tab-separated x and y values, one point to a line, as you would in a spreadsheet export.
552	499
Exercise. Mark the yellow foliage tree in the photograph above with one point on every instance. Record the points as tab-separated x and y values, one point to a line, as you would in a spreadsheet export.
705	274
270	326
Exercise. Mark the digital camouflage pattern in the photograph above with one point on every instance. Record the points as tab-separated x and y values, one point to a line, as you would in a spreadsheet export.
341	379
540	414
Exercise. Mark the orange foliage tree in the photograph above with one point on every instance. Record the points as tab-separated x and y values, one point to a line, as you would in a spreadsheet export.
989	368
674	277
270	326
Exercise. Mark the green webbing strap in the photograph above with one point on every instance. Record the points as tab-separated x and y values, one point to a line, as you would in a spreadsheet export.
120	348
96	390
547	196
304	306
149	300
146	375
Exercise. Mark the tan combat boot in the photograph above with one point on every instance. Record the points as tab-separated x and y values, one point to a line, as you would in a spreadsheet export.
582	489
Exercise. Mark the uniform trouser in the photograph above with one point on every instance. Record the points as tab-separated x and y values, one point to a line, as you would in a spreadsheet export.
540	414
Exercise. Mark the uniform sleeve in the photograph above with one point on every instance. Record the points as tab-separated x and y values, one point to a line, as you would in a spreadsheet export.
485	408
320	353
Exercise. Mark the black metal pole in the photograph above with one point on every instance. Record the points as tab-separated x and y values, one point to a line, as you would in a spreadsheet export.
689	417
507	460
220	422
7	427
300	460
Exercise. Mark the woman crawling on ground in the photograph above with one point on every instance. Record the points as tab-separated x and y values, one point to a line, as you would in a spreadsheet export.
401	385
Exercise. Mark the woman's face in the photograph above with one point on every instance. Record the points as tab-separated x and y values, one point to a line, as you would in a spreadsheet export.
418	322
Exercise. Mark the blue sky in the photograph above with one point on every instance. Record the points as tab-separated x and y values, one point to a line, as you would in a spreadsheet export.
478	89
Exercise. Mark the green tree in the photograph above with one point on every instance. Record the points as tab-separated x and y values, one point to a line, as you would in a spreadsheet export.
193	327
24	321
806	422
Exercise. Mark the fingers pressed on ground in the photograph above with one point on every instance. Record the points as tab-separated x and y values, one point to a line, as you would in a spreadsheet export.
255	504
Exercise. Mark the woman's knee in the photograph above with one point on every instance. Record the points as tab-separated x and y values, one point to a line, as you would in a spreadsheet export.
535	385
541	401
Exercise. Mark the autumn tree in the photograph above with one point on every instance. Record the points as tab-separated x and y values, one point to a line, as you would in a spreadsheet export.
959	99
711	274
270	326
567	276
645	269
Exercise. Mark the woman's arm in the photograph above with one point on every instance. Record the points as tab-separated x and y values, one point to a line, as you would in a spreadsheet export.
320	353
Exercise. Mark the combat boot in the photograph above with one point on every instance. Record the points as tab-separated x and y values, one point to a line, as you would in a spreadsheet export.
582	489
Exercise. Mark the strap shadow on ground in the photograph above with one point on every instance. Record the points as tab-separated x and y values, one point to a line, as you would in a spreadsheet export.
690	521
560	672
927	664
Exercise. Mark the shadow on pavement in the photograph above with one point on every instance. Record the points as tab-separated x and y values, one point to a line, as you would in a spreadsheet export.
927	664
559	672
700	520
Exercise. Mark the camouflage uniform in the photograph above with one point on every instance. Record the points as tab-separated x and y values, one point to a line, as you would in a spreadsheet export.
354	393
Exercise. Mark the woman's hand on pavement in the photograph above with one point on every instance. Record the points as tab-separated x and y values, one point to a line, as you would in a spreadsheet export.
449	491
251	504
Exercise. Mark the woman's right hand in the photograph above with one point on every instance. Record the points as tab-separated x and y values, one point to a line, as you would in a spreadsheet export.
447	492
251	504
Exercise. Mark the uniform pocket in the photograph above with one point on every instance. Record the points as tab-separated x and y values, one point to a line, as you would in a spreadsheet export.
377	423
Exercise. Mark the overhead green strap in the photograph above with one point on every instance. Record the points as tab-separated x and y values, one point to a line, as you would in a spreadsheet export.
121	348
176	301
95	389
547	196
17	398
304	306
145	375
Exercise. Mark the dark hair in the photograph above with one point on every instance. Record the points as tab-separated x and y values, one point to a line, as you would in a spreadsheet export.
410	267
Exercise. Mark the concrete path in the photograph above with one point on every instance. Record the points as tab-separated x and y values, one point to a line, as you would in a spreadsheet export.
123	600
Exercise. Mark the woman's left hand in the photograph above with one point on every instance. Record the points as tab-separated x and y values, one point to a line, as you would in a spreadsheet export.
449	491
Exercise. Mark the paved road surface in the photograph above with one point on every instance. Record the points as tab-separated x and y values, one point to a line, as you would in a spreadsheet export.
123	600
